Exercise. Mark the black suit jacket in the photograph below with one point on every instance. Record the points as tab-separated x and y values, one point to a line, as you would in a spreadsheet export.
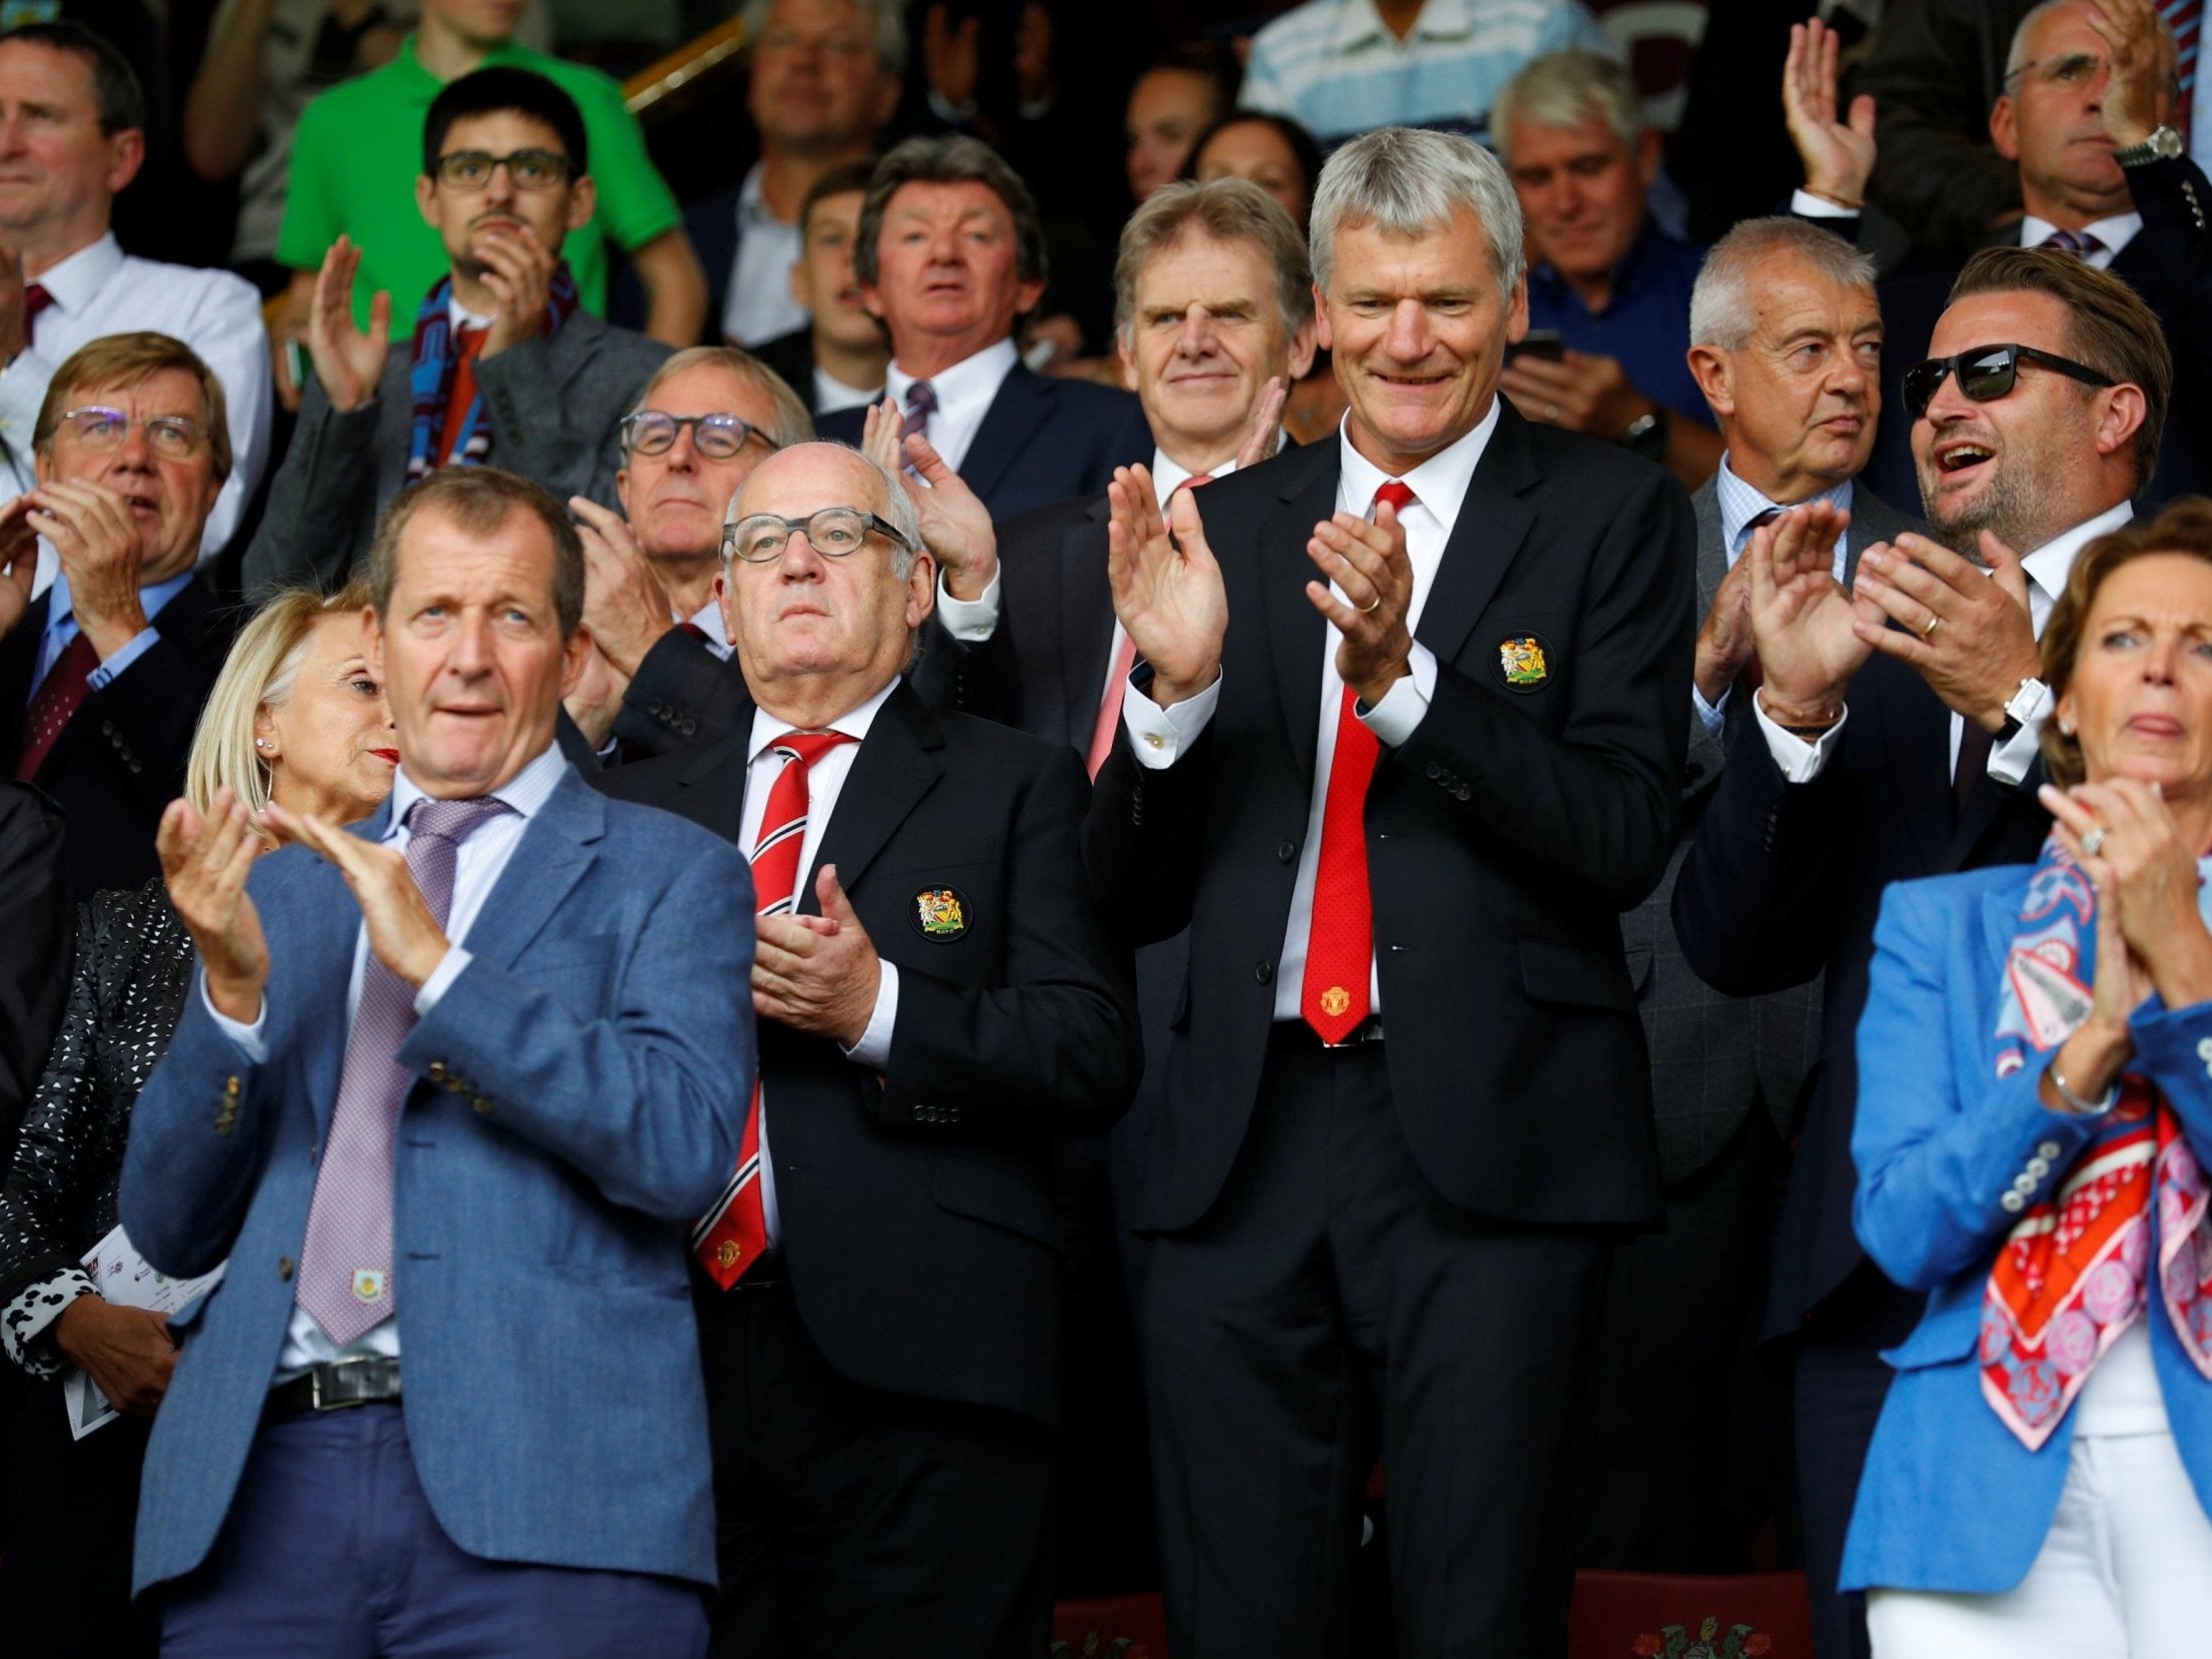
121	758
1505	835
1043	440
1785	881
792	356
918	1208
37	923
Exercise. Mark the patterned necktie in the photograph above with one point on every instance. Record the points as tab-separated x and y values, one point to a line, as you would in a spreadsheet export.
66	685
346	1263
1108	720
2080	244
1340	948
733	1233
921	402
2186	19
467	347
35	299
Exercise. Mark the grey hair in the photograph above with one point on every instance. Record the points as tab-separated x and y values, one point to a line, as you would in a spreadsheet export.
1405	181
1722	309
888	21
1564	90
900	512
1228	210
790	422
2016	58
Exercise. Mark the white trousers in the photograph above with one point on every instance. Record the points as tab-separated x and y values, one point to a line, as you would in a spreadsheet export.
2126	1573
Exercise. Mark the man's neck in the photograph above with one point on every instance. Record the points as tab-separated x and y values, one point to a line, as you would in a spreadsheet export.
934	354
448	53
855	366
1784	488
786	174
2074	213
472	294
688	579
816	702
1399	16
43	247
1196	457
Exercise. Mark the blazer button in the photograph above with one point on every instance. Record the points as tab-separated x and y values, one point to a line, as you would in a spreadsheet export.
230	1088
2013	1203
482	1102
1435	771
2038	1167
2049	1149
1285	851
2023	1184
284	1266
1263	971
437	1072
1462	793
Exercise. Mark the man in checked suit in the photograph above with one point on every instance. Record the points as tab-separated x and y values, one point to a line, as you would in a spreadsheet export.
1786	348
444	1097
1400	808
879	1289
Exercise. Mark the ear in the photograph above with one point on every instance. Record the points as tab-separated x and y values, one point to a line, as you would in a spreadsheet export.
921	590
800	295
584	201
1648	156
1301	354
576	651
871	297
1516	309
2004	127
1127	354
1027	296
2120	416
2063	710
265	744
426	198
126	155
1322	334
622	493
42	463
1712	369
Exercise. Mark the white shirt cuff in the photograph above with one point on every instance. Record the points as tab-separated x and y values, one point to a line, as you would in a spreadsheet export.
1800	763
2009	761
1406	703
1159	734
1713	716
1805	204
971	620
449	969
250	1038
874	1048
133	648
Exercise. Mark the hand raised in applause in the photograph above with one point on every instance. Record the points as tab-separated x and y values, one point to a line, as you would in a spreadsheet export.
349	360
625	604
519	269
956	525
1167	588
1837	154
18	563
204	864
2139	88
1804	624
1367	561
817	974
402	933
101	553
1963	629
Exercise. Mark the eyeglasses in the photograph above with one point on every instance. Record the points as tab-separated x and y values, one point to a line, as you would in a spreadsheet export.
831	531
2074	69
171	436
651	432
472	170
1986	373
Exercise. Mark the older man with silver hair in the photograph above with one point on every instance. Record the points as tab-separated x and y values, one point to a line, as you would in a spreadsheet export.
878	1287
1398	807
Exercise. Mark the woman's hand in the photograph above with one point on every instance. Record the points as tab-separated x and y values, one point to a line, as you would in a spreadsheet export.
2146	874
125	1351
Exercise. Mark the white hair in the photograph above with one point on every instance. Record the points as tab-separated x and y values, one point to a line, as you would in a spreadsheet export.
1405	182
1723	311
1561	90
888	21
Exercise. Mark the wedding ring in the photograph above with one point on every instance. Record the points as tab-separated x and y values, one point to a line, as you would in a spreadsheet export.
1934	622
2092	844
1371	607
1551	412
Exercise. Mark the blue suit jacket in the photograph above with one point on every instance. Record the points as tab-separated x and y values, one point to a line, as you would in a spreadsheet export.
1951	1499
582	1091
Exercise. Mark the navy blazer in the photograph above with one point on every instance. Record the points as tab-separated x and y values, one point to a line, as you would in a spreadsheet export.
580	1091
1951	1499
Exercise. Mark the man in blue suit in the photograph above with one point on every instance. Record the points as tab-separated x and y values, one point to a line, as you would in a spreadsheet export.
489	1092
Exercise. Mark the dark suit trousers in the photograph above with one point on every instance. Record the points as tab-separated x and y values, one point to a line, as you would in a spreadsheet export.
65	1553
864	1524
1331	1305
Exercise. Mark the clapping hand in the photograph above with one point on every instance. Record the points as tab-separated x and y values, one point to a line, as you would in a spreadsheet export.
18	563
1266	433
1966	630
347	360
1804	624
2138	91
1167	588
100	552
402	933
625	604
817	974
1366	560
204	863
519	270
956	525
1838	155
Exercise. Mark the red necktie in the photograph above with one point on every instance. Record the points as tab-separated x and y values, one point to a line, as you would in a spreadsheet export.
35	299
1340	948
59	695
1108	721
467	347
730	1237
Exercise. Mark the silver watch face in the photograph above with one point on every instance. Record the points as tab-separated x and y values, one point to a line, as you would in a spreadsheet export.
2164	144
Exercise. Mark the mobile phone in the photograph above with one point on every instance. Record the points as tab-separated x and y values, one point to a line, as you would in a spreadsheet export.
1540	343
296	361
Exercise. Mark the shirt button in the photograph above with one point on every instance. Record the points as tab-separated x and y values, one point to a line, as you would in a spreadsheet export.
2013	1203
1153	740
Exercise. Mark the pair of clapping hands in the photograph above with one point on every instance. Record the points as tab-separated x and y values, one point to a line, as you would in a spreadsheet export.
100	548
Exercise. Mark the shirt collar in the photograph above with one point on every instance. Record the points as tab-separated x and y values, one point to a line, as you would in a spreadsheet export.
73	283
709	622
463	318
2051	564
766	727
1360	23
150	598
1443	477
972	376
1740	504
2115	233
524	793
506	52
1169	476
753	198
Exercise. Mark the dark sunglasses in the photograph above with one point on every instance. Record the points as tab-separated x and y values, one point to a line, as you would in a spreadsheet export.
1986	373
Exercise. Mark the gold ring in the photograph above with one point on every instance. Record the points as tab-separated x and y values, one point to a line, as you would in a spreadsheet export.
1934	622
1551	412
1371	607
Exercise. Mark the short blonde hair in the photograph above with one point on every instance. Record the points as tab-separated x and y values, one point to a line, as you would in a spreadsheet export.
260	673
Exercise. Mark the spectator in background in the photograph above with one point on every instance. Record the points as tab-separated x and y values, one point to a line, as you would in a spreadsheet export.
1182	94
824	81
102	675
501	367
1272	151
837	359
71	137
1603	278
1342	67
358	143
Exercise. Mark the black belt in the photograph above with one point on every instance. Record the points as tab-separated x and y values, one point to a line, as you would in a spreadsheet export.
329	1388
1296	1034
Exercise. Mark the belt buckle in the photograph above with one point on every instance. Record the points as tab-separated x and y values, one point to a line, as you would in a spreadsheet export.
331	1370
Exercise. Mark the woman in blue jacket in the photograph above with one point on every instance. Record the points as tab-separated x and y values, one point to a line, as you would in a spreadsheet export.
2034	1126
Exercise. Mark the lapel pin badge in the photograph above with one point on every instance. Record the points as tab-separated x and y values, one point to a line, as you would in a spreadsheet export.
1523	661
940	913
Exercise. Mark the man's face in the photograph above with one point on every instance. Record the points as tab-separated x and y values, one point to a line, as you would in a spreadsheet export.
2020	464
56	165
801	616
1581	193
948	270
1204	335
483	22
2051	122
817	84
169	497
675	501
470	652
1168	109
1798	401
1418	330
466	219
823	279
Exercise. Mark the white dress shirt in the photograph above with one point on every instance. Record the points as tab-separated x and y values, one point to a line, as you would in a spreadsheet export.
1159	734
825	780
2046	568
964	392
708	621
478	865
100	290
758	305
832	395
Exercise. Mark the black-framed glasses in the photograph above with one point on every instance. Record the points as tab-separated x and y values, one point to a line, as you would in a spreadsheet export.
472	170
651	432
1988	373
171	436
760	537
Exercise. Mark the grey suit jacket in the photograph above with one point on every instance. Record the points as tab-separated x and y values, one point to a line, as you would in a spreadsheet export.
551	404
1715	1057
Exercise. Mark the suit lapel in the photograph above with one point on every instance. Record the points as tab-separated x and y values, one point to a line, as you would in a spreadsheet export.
1086	621
557	847
1295	631
1492	521
1713	556
1008	424
895	769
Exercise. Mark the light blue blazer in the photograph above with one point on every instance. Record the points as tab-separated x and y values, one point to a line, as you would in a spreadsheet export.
1951	1499
580	1094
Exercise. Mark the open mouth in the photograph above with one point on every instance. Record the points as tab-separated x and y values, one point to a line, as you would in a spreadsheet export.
1954	458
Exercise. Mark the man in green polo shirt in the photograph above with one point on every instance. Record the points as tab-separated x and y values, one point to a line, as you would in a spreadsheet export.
358	153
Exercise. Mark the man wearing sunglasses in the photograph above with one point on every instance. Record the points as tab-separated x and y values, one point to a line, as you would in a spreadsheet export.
1896	737
503	366
879	1292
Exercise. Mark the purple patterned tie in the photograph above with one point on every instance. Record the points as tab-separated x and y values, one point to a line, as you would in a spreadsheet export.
346	1263
921	401
2080	244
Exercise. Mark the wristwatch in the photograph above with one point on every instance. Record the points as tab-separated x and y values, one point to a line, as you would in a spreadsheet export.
2027	702
2164	144
1647	434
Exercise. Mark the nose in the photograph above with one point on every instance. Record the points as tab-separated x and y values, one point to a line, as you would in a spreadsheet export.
1848	375
800	562
499	187
134	453
1408	337
2160	661
1949	405
1196	338
471	648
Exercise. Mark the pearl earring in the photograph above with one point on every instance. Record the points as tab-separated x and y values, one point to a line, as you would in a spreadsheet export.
2066	728
260	743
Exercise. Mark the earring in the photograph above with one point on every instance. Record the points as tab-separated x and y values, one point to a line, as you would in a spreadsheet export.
260	743
2066	728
